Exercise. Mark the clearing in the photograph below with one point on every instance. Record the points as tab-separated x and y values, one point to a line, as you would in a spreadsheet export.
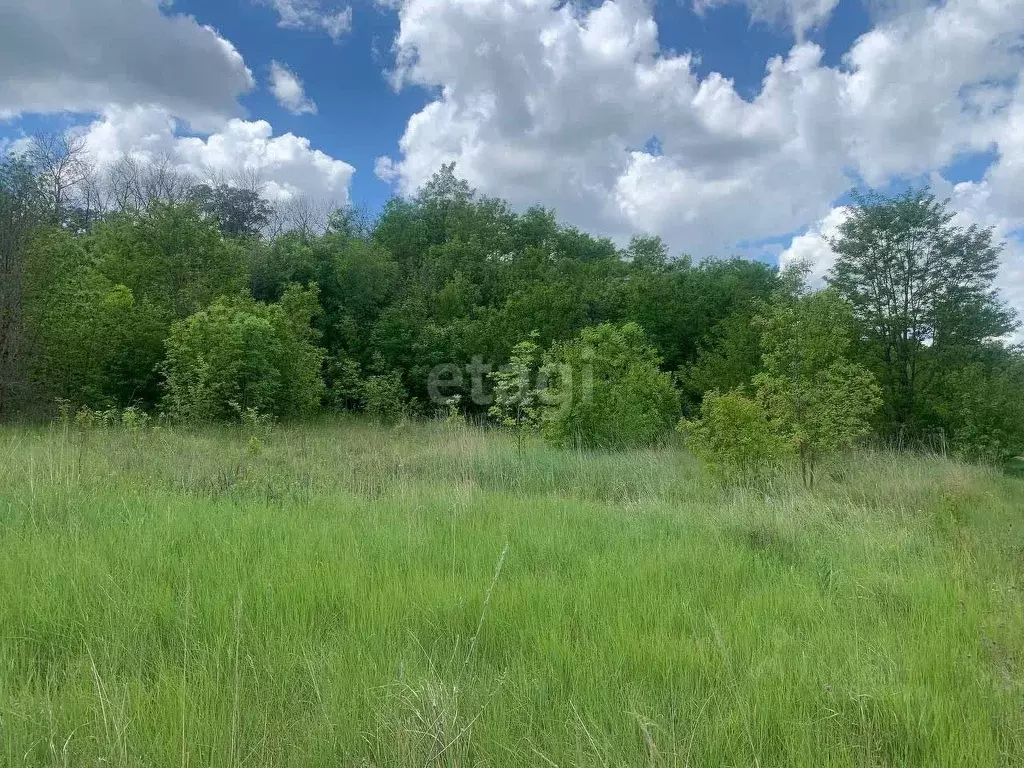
341	594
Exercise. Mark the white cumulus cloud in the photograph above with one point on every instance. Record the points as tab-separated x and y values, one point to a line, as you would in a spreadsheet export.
289	91
288	165
813	248
800	15
58	55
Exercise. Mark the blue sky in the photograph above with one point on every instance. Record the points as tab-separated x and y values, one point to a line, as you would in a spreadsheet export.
725	126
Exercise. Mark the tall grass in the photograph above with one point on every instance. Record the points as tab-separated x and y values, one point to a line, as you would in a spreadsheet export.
346	595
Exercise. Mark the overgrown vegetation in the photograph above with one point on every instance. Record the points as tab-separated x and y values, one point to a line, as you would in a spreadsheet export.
208	561
150	290
605	390
240	355
734	438
814	396
342	594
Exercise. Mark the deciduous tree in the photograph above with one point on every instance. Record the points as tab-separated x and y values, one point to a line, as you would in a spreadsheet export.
817	399
919	284
517	402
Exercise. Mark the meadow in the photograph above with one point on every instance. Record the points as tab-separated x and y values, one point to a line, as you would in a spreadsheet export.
344	594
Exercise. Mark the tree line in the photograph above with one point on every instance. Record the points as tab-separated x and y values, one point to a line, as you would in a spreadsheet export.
141	288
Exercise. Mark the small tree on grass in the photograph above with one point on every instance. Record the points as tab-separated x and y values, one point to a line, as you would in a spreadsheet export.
607	390
344	382
733	436
815	398
516	403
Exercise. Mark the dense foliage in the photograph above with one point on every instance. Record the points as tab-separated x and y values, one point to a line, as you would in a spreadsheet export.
815	397
605	389
240	356
733	436
166	294
923	296
517	402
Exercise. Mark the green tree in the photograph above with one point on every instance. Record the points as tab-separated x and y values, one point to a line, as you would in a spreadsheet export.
727	357
21	213
174	262
384	398
605	389
815	398
683	307
516	401
171	256
981	403
733	436
344	381
240	355
238	212
80	325
919	285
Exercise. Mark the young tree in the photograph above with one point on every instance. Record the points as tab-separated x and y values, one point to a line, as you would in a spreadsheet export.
733	436
814	396
344	381
918	284
384	397
516	401
606	390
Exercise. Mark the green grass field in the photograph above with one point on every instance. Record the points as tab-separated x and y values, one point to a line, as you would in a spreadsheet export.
345	595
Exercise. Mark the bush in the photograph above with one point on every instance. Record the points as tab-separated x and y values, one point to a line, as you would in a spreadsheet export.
240	356
83	328
733	436
981	407
605	390
344	383
384	398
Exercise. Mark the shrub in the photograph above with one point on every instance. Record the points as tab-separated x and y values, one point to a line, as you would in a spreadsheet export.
605	390
733	436
384	398
83	328
240	355
982	408
344	383
452	414
134	419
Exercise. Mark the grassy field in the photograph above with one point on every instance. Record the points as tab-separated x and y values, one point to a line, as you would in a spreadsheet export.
344	595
